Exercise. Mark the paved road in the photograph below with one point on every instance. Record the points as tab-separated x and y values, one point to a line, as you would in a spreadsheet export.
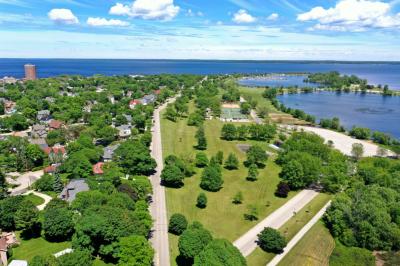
299	236
46	198
343	142
247	243
158	206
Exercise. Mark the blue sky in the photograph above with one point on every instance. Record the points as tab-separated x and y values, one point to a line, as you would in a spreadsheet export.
201	29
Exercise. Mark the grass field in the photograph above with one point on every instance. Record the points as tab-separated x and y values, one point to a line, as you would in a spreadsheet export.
36	200
37	247
221	217
291	228
314	249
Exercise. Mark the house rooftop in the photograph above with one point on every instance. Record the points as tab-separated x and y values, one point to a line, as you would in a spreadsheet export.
74	187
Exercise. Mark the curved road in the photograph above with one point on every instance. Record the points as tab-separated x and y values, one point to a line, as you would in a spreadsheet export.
247	243
158	206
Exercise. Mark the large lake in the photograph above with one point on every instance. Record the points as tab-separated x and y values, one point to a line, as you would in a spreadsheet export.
375	73
367	110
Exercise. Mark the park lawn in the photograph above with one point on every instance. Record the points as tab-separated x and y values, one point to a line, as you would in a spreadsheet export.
36	200
221	217
259	257
37	247
313	249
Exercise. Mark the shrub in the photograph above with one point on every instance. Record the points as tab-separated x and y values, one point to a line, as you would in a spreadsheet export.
271	240
177	224
282	190
202	200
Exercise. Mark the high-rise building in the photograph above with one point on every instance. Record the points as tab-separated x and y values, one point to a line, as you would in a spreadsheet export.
30	72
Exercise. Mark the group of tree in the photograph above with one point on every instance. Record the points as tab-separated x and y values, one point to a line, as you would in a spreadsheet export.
306	160
197	246
334	80
333	123
176	170
259	132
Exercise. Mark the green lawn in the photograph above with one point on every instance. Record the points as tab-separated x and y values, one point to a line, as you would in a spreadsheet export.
37	247
221	217
291	228
36	200
256	94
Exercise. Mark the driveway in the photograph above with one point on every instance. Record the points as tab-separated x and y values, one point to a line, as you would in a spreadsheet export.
24	181
247	243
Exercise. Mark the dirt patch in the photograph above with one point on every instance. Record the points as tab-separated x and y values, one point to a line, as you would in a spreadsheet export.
230	105
243	147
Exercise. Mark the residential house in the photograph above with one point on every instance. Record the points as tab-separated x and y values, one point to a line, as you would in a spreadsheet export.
134	103
74	187
124	131
128	119
43	115
39	131
55	124
149	99
56	153
111	99
41	142
108	152
9	107
50	99
9	80
18	263
98	168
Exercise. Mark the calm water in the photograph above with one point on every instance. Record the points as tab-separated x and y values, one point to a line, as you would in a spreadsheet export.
277	81
367	110
376	73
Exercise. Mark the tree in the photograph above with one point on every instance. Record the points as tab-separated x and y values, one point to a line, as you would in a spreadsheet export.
282	190
360	133
201	159
252	213
238	198
78	257
202	200
193	240
201	139
170	113
177	224
253	173
270	240
256	155
27	219
293	174
172	176
134	251
245	108
3	186
231	162
357	151
58	224
211	178
134	157
220	157
220	252
78	166
57	185
228	132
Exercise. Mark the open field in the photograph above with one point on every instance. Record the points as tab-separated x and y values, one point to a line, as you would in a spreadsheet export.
37	247
290	228
221	217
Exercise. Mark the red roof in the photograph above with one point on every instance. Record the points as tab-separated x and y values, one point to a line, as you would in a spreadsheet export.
134	102
55	124
98	168
49	169
55	150
157	92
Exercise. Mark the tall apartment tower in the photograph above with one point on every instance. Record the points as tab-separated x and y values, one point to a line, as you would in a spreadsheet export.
30	72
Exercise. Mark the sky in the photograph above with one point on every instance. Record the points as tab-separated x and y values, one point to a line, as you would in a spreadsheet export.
362	30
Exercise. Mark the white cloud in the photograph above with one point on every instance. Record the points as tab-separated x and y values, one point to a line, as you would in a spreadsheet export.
273	16
353	15
99	22
63	16
243	17
147	9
